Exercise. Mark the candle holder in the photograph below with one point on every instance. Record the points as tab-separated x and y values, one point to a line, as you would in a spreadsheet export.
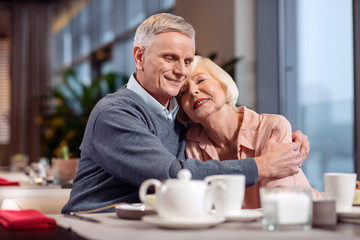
287	208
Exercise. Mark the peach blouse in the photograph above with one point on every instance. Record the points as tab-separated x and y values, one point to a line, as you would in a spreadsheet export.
254	132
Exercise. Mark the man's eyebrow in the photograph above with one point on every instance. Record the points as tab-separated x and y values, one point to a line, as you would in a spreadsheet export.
170	54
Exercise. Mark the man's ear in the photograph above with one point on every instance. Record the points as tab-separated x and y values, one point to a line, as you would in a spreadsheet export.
138	53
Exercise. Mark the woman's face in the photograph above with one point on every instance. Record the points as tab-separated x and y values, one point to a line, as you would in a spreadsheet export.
201	95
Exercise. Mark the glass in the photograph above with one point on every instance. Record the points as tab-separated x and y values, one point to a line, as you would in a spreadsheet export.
37	174
325	86
286	208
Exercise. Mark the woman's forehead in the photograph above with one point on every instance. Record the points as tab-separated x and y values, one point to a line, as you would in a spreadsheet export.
199	71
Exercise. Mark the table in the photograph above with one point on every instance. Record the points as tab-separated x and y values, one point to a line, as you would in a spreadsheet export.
112	227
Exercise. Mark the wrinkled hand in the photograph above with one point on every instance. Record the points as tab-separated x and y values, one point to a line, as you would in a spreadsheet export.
299	137
278	160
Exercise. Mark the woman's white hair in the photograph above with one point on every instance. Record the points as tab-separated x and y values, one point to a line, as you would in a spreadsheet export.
160	23
229	85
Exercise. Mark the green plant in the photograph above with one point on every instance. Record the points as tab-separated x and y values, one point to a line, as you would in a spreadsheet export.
65	152
66	109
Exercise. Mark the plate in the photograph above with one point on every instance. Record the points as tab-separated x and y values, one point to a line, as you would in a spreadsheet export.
246	215
183	224
354	213
133	210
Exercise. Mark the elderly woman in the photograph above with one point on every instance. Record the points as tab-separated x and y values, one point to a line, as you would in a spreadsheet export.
220	130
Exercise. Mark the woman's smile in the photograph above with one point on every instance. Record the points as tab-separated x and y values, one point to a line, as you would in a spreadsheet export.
201	101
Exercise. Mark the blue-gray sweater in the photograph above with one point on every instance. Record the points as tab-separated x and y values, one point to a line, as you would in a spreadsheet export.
126	143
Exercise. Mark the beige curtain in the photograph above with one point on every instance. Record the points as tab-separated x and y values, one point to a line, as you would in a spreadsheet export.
30	73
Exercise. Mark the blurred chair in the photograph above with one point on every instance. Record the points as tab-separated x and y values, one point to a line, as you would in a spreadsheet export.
46	200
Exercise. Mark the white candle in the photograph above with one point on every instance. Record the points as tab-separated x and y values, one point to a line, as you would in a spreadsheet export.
287	207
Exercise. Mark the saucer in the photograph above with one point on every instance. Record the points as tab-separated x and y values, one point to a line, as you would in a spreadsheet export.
354	213
133	210
183	224
246	215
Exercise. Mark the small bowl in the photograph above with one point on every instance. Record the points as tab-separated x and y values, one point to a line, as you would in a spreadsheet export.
133	211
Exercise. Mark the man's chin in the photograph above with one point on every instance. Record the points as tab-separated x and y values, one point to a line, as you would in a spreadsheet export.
174	92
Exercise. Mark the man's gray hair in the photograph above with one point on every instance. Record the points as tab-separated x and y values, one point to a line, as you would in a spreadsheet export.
160	23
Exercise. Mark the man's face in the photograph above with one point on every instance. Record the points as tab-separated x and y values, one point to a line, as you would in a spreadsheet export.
165	65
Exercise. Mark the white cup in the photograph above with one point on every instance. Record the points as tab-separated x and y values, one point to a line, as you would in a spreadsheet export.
230	194
341	187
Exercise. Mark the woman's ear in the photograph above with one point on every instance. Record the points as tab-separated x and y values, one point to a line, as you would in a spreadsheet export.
138	53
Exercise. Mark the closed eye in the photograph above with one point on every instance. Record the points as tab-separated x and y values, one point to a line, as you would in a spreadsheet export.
170	57
183	91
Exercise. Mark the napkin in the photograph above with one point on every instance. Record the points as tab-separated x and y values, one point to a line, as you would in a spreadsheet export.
4	182
25	220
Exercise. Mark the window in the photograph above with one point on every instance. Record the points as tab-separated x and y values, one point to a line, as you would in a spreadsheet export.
325	85
305	72
4	92
99	38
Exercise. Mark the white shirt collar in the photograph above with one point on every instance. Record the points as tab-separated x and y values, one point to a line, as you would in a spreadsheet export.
154	105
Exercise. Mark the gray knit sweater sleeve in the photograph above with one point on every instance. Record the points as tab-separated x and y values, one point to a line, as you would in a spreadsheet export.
126	143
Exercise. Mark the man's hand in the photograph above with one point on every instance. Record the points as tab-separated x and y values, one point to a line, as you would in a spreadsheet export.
278	160
299	137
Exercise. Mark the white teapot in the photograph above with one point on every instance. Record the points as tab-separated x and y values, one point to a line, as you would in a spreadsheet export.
180	198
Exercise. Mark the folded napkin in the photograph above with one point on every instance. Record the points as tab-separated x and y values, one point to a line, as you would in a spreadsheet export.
25	220
4	182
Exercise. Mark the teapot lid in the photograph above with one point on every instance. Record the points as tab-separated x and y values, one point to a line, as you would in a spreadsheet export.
183	179
184	175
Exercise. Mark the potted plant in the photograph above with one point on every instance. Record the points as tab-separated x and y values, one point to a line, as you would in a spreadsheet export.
66	109
64	113
64	168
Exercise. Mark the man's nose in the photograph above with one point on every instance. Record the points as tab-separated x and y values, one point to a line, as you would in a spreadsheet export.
180	69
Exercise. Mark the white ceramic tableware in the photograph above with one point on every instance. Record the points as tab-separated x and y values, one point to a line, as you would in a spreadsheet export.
230	195
179	199
286	208
354	213
341	187
183	224
246	215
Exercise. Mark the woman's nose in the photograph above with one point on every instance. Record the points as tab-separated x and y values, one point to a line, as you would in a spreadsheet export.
193	90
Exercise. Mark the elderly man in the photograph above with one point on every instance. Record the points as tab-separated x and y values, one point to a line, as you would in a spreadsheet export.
132	135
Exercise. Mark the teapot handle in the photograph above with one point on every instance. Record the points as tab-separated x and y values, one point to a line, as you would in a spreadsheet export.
144	188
